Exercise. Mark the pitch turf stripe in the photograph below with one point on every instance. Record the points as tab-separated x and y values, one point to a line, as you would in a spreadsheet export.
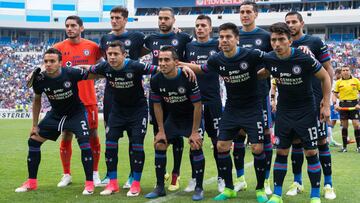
175	194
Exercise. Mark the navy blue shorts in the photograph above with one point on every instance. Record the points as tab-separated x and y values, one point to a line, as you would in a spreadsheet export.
133	120
211	118
266	108
300	124
175	128
152	117
249	119
51	126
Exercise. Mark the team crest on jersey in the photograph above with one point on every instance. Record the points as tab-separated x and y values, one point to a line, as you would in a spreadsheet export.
212	52
86	52
129	75
127	42
174	42
67	84
296	70
68	63
181	90
107	129
258	42
244	65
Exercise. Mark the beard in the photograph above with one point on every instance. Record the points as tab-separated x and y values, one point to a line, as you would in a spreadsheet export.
165	28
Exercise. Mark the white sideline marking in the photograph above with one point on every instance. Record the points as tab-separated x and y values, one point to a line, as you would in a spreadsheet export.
206	182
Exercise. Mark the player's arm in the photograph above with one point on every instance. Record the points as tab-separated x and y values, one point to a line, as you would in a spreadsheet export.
273	95
263	74
92	71
329	69
194	67
159	114
195	139
36	107
324	77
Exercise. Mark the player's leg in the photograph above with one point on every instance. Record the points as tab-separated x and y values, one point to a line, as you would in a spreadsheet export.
239	158
78	124
92	115
344	131
297	160
268	148
334	116
65	156
314	172
354	116
178	148
107	106
33	162
198	161
137	147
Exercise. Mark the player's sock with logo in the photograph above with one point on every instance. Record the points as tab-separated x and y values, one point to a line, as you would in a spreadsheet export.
314	172
86	158
297	160
65	155
130	158
280	169
357	137
239	155
34	157
95	148
178	146
160	166
198	160
138	160
260	166
215	152
111	158
344	134
325	160
268	149
191	157
225	167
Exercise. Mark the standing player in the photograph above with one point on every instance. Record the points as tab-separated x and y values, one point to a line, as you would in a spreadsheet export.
129	112
320	51
67	113
183	101
238	67
347	91
253	37
75	51
134	42
295	116
154	42
334	115
197	52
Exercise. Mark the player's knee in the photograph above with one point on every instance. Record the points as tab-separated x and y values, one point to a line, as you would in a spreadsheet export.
67	135
322	141
282	152
310	152
160	146
257	148
34	143
83	139
223	146
242	133
93	132
296	141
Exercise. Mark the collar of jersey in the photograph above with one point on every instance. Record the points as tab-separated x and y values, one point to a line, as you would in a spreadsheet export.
347	79
124	34
167	34
176	77
251	32
204	43
237	53
301	38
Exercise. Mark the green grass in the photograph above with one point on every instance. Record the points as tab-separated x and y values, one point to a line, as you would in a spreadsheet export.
13	171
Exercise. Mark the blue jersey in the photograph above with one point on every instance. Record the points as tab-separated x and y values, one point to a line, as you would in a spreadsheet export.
155	41
126	83
293	78
62	91
177	94
133	41
198	53
240	75
257	39
321	53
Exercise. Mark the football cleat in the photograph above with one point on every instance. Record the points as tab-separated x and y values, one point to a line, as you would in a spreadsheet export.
65	180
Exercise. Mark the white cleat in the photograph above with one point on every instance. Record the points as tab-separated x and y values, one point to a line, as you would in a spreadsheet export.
65	180
240	184
191	186
87	192
221	185
127	185
329	192
295	189
97	180
267	187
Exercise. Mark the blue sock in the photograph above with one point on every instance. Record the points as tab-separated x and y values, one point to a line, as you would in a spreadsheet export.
280	169
314	172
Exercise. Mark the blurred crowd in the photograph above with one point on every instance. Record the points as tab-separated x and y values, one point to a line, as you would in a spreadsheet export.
17	61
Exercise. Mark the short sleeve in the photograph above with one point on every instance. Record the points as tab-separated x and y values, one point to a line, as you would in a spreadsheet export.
36	87
155	93
193	92
210	65
98	68
358	84
315	65
324	54
145	68
78	74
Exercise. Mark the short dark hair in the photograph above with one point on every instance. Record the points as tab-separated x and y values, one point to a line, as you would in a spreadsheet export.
172	50
250	3
230	26
54	51
119	9
280	28
117	43
337	70
168	9
76	18
298	15
204	17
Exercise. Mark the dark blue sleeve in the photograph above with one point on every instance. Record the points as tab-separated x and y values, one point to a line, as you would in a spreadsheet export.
144	68
36	87
99	68
146	42
210	65
78	74
324	54
155	93
103	43
193	92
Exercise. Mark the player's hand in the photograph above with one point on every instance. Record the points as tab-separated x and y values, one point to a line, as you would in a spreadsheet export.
273	106
189	73
357	107
306	50
34	131
160	138
177	30
325	113
195	140
337	107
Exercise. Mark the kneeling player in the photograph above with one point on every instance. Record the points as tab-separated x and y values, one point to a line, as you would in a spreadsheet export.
183	101
67	113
